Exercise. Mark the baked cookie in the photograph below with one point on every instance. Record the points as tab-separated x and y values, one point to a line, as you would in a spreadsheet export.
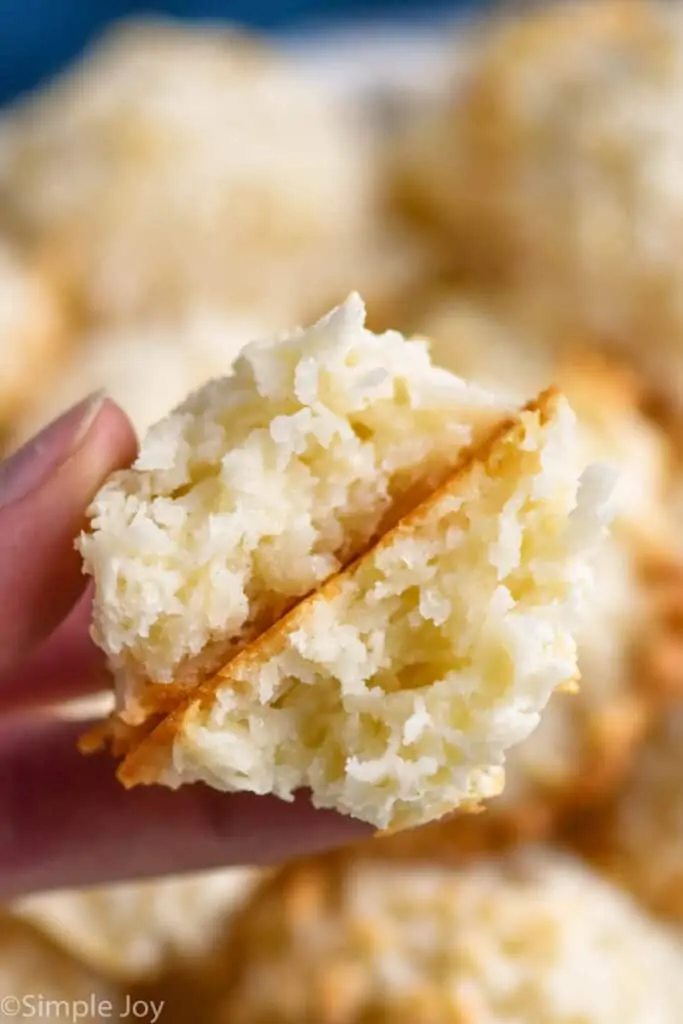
261	486
630	650
394	691
176	164
535	939
638	837
38	979
33	333
550	170
137	930
147	368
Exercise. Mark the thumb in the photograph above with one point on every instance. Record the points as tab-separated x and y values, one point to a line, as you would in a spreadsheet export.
45	489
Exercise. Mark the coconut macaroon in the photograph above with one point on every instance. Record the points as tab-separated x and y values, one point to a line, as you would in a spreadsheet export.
587	741
135	931
475	335
183	163
394	692
478	336
584	747
259	487
551	168
147	368
534	939
638	838
39	979
32	332
630	647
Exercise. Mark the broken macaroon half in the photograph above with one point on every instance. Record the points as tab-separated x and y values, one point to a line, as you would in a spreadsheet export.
260	487
345	570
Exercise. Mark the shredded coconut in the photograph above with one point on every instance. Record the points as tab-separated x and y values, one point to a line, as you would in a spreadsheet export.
177	163
246	498
383	709
531	939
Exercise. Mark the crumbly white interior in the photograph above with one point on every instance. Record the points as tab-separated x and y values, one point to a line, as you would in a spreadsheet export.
486	344
534	939
394	694
606	713
174	163
614	428
131	930
601	714
248	496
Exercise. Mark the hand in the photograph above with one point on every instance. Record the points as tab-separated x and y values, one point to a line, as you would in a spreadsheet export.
64	819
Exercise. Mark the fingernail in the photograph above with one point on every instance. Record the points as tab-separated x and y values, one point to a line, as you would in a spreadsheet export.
22	472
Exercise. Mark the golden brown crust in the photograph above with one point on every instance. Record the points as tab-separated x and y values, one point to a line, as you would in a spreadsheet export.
115	735
144	763
636	836
659	661
662	404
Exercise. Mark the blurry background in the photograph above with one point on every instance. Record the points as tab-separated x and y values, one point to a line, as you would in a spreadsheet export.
37	37
511	188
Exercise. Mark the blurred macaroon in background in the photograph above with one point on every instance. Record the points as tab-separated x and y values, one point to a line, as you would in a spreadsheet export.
505	180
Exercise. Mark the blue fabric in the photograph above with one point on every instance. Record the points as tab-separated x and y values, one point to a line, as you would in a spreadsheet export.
37	37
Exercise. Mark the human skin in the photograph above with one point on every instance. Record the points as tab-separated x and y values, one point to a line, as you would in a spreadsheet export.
65	819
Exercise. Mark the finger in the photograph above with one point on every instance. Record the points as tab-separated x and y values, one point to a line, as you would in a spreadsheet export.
65	666
44	491
66	821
